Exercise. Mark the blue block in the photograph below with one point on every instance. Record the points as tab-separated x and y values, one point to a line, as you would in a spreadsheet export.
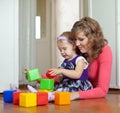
8	96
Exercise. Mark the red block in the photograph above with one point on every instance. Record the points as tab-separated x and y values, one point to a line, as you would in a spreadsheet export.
42	98
16	98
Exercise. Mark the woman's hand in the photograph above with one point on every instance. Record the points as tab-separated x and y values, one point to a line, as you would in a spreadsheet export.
74	95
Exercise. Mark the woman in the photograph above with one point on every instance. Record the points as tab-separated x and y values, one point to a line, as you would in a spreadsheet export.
88	37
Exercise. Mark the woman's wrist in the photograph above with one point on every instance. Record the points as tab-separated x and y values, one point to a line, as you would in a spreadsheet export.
74	96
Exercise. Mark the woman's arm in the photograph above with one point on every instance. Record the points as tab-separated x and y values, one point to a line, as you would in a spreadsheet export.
101	80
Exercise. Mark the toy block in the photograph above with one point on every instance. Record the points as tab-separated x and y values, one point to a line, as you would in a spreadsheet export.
62	98
16	97
48	74
28	99
33	75
45	91
8	96
46	84
42	98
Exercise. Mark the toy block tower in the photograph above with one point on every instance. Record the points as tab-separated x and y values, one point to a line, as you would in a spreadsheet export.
46	84
33	75
42	98
62	98
28	99
8	96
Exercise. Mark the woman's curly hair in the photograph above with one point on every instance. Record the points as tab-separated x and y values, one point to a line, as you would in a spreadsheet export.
93	32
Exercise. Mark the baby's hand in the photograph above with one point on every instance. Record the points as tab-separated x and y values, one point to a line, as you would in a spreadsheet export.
49	75
59	78
55	71
25	71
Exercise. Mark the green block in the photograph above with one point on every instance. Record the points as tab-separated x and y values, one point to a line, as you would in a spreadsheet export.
46	84
33	75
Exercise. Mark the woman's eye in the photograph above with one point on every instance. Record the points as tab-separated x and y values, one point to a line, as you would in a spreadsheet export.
81	39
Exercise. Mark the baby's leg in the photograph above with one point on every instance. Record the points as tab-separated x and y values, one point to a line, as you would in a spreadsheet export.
31	89
51	96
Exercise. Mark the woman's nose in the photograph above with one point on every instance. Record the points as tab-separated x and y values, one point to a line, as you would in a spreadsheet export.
77	43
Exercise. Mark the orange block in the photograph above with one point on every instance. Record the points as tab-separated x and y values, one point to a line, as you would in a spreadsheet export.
62	98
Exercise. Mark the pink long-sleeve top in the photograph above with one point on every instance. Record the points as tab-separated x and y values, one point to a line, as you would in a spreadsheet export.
99	74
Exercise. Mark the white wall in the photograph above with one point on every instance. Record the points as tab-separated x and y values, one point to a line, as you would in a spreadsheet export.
9	55
27	47
108	18
67	13
118	41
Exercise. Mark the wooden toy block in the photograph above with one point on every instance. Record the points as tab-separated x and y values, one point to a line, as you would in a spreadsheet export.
8	96
16	97
28	99
62	98
33	75
42	98
46	84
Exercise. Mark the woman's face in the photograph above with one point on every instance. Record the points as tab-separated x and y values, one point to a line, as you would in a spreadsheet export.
81	42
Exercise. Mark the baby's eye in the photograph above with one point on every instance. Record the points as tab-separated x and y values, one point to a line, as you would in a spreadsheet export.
64	48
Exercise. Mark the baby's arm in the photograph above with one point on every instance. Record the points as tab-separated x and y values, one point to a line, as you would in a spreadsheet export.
74	74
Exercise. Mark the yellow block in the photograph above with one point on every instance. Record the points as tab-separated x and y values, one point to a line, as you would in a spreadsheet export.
62	98
44	90
28	99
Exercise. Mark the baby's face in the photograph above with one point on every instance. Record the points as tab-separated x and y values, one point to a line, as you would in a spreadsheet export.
66	49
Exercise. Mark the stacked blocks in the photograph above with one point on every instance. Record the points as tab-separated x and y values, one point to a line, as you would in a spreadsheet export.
28	99
8	96
42	98
62	98
46	84
33	75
